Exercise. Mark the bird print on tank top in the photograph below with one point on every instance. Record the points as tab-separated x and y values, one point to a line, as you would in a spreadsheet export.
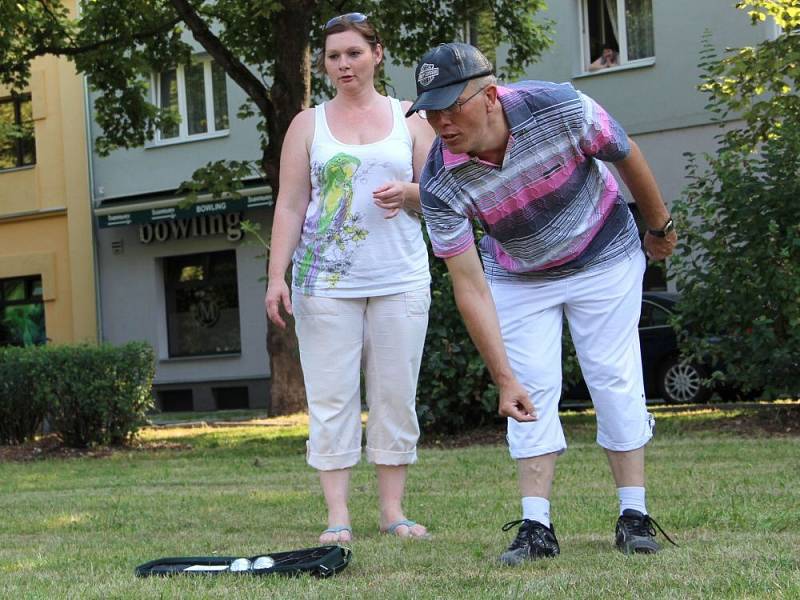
337	231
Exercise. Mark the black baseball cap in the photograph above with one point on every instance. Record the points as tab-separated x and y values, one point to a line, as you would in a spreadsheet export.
443	73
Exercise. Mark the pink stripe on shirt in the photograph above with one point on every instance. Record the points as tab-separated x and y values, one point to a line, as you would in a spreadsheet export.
525	195
604	207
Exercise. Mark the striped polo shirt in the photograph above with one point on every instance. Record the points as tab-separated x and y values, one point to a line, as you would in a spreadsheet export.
552	208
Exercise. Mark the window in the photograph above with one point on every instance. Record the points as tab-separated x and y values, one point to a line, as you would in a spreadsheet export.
198	93
202	304
17	147
617	32
231	398
21	312
176	400
653	315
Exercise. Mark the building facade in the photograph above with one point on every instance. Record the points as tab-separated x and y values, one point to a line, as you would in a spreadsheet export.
179	275
47	264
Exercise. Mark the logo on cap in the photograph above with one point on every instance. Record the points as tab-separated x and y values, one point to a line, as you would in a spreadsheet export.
427	73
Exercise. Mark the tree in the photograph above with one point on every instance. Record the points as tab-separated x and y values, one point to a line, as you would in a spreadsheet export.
738	268
264	47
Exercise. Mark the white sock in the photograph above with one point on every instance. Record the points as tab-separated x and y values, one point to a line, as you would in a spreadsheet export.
631	497
536	509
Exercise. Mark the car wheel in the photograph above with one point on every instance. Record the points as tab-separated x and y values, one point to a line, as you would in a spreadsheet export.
681	381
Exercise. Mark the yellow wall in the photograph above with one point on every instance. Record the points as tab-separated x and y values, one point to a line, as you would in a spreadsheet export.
40	247
45	216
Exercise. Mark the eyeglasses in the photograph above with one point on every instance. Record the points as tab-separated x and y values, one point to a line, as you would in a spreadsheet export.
451	110
353	17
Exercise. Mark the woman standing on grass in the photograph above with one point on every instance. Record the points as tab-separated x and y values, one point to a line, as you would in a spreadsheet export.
346	217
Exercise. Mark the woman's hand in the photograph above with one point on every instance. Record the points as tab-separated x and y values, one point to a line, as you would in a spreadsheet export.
277	296
391	197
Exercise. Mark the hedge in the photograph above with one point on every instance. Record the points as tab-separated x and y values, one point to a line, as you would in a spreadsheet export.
89	395
22	409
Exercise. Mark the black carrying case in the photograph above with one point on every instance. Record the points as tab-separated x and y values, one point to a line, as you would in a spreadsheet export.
322	561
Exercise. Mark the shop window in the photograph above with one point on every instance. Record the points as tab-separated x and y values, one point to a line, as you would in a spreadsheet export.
199	94
617	32
202	304
231	398
21	312
17	143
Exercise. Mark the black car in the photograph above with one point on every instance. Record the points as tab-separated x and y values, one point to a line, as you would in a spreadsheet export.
665	374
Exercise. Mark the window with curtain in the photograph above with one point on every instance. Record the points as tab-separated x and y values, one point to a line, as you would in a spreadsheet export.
617	32
198	94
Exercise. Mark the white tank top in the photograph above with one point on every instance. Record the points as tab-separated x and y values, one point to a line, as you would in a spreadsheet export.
347	248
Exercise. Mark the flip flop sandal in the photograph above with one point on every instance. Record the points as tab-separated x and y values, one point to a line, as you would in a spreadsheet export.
392	530
338	530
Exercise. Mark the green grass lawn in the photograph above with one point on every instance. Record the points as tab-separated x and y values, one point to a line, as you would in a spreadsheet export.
77	527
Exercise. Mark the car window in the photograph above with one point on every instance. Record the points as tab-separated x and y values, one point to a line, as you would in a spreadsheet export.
653	315
659	316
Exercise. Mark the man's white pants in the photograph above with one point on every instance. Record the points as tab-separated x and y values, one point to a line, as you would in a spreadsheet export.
602	307
337	336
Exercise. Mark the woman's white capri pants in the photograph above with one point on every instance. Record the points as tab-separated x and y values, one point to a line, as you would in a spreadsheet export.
386	335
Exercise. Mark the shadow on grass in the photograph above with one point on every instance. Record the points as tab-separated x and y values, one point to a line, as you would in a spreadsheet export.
286	436
740	420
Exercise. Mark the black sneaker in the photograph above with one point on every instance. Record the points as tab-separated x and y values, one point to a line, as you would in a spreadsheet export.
533	541
636	533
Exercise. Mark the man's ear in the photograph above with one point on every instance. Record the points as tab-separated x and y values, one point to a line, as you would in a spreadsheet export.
492	102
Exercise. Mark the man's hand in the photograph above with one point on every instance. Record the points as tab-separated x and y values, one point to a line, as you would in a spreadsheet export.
515	403
659	248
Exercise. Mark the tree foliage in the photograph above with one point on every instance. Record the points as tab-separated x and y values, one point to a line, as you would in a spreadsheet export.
738	267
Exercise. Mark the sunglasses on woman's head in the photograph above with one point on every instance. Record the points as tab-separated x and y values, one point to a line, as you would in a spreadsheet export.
353	17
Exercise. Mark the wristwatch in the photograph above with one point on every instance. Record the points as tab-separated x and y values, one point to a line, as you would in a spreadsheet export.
668	226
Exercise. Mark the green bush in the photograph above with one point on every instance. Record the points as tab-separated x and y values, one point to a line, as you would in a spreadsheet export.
738	268
97	395
455	391
21	409
90	395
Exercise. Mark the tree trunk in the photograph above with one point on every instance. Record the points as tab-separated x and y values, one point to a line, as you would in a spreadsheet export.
290	93
287	391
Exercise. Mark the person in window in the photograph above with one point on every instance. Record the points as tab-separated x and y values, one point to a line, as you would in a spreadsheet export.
347	218
607	59
527	160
